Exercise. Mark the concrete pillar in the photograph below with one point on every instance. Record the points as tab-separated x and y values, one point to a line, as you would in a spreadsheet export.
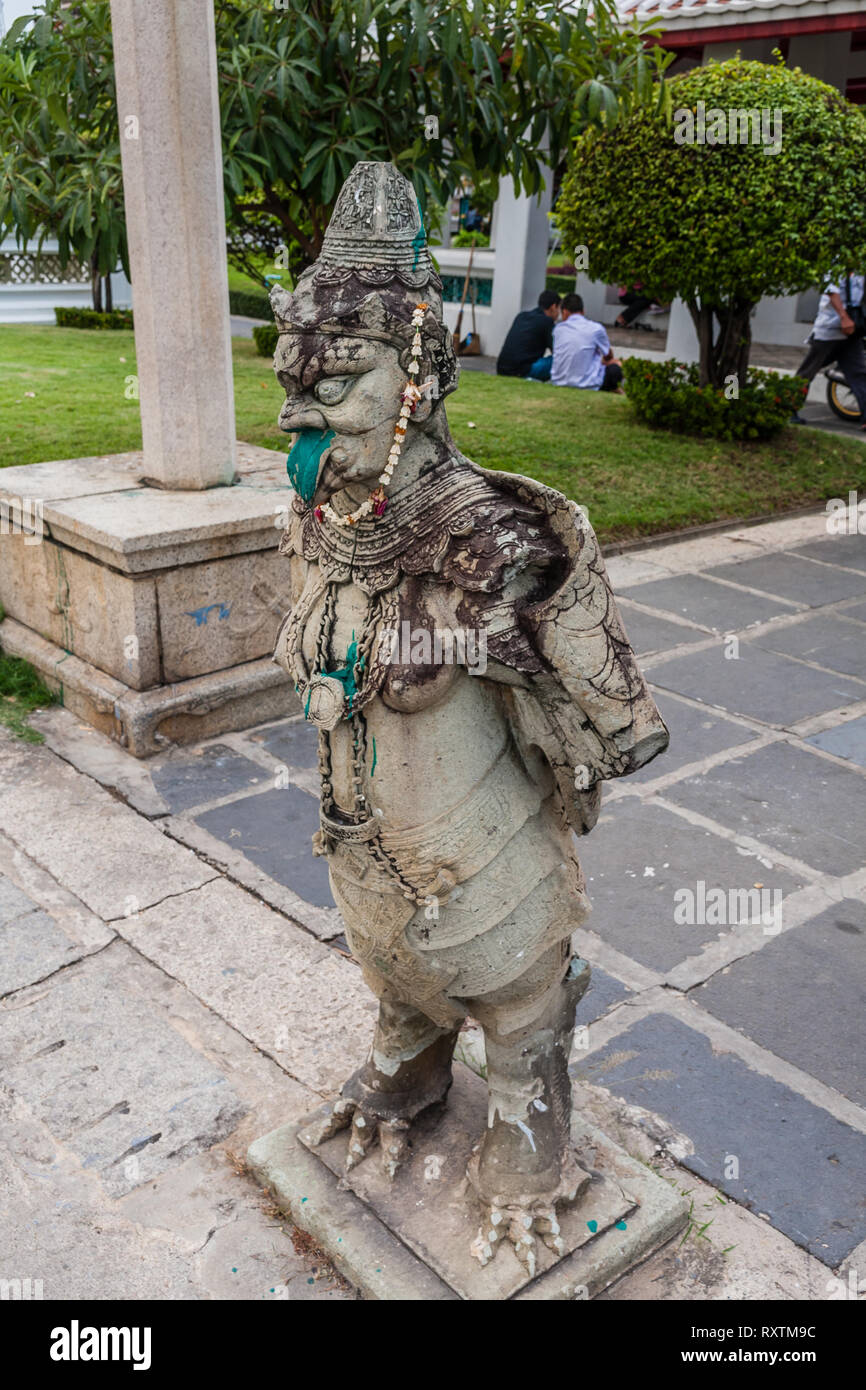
165	62
521	230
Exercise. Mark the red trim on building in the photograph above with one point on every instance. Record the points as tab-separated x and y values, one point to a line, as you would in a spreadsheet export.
765	29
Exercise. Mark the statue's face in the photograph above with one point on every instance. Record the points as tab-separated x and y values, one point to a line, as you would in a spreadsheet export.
349	385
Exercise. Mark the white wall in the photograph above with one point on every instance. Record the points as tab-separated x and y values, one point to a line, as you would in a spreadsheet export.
35	302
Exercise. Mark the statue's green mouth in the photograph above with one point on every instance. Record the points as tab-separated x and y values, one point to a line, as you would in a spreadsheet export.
302	464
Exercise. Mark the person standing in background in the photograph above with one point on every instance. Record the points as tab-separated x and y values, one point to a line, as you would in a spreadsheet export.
837	336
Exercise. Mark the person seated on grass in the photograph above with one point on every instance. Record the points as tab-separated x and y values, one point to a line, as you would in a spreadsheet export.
837	336
582	354
529	338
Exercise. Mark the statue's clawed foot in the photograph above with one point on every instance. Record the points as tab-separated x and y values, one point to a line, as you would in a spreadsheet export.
366	1128
520	1225
524	1216
409	1071
522	1219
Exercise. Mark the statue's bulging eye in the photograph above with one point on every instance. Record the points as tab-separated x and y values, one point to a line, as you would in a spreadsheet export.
332	389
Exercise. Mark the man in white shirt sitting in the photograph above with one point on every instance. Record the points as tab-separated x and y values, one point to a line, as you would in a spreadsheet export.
582	354
834	338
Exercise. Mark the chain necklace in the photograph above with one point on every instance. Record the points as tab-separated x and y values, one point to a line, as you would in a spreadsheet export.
360	826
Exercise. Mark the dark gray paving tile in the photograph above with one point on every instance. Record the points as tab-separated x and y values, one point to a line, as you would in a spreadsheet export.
856	610
837	550
797	1164
846	741
204	774
649	634
695	733
274	830
604	990
295	743
638	861
792	800
757	683
793	577
713	605
823	638
780	996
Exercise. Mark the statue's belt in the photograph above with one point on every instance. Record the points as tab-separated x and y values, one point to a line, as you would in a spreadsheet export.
433	858
348	832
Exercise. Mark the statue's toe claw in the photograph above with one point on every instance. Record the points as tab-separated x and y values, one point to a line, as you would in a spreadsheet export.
394	1143
337	1117
548	1227
483	1247
521	1237
519	1226
361	1137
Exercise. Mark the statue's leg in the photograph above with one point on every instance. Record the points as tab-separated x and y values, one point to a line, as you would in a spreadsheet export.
408	1070
525	1166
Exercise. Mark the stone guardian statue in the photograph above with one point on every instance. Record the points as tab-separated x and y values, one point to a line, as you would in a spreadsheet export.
454	638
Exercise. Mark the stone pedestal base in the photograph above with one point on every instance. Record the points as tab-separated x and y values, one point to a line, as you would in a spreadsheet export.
409	1240
154	613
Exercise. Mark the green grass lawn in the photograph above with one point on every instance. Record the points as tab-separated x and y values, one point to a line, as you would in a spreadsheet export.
634	481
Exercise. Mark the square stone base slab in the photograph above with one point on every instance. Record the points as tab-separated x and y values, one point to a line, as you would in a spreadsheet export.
145	721
410	1240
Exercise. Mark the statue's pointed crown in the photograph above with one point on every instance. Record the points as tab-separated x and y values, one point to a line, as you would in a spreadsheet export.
374	268
376	223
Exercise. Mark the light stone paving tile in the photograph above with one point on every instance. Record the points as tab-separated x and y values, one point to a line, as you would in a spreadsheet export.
326	923
299	1001
101	851
109	1076
32	947
200	1229
82	927
90	752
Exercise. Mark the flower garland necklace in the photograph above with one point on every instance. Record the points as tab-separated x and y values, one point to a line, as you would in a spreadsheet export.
410	396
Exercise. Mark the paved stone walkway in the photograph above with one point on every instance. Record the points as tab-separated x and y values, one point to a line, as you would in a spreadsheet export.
175	980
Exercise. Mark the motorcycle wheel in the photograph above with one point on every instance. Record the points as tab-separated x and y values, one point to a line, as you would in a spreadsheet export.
842	401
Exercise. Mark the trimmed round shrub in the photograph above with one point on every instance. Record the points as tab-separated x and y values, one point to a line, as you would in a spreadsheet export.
756	186
265	336
669	396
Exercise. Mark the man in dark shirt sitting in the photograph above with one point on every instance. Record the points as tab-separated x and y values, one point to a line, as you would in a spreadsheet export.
529	337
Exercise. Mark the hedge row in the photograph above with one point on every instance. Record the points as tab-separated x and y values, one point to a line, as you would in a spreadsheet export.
560	284
253	304
93	318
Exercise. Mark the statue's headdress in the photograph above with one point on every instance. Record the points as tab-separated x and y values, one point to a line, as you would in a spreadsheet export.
373	270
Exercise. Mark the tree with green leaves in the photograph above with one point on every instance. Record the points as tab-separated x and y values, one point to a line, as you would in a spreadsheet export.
673	202
60	170
307	88
315	85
